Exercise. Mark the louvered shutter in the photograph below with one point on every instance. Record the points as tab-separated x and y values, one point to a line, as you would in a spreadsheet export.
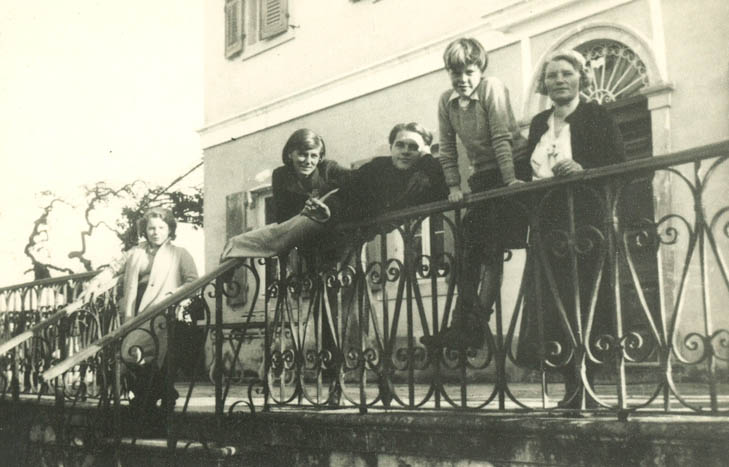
233	27
274	17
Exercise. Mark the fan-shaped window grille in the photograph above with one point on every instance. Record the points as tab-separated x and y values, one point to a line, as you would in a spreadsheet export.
617	72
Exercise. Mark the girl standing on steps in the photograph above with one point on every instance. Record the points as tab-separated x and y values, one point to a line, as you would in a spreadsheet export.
150	272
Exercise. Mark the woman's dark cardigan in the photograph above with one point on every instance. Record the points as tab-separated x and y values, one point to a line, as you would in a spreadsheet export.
596	142
596	138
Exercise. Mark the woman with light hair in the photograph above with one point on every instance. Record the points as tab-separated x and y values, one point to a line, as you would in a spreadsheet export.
571	136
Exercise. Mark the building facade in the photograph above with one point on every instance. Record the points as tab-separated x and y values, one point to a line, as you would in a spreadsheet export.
351	69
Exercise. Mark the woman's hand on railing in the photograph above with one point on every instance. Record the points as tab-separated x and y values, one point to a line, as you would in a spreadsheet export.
566	167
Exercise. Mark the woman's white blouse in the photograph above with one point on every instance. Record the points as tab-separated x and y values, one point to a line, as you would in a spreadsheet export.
551	149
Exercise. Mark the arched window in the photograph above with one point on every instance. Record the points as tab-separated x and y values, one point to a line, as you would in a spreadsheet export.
617	72
618	75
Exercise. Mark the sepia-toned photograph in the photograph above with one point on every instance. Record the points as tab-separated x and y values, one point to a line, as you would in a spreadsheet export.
364	233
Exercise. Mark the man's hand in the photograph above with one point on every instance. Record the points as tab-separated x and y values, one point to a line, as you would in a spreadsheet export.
516	181
566	167
455	195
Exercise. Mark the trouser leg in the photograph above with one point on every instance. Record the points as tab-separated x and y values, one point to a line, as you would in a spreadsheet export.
490	287
469	276
272	240
479	285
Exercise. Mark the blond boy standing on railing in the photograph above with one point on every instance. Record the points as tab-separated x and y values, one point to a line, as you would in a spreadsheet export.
478	111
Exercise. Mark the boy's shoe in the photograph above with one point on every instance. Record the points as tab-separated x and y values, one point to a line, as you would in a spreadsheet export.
467	334
431	341
463	334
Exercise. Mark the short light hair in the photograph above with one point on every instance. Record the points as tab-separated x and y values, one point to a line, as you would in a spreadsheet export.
415	127
464	52
572	57
303	139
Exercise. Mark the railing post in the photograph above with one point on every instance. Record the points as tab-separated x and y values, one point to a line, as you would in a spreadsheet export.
59	419
14	381
358	300
703	233
168	400
63	338
387	346
21	326
267	329
536	246
500	351
116	394
459	280
612	231
410	277
435	317
580	350
218	371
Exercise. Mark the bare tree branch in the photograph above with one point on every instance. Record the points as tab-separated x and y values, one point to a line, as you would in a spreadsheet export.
40	227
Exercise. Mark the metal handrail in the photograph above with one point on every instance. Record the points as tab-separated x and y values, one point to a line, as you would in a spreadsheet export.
50	280
72	307
182	293
643	165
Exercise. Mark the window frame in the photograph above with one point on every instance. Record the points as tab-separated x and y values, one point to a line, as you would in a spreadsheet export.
253	40
233	46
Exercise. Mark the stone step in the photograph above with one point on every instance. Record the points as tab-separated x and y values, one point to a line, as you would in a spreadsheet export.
197	448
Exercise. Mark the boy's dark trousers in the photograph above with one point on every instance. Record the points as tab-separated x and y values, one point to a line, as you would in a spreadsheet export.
488	229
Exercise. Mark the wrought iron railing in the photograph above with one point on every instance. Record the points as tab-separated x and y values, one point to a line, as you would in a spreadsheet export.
26	304
343	329
177	327
34	317
607	309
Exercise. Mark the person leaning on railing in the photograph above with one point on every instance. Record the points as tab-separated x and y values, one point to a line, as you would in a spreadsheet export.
571	136
305	173
150	272
408	176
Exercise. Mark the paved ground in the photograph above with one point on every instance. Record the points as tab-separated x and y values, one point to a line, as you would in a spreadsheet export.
481	396
476	395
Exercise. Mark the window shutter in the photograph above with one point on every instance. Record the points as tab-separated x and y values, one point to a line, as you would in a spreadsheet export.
274	17
233	27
